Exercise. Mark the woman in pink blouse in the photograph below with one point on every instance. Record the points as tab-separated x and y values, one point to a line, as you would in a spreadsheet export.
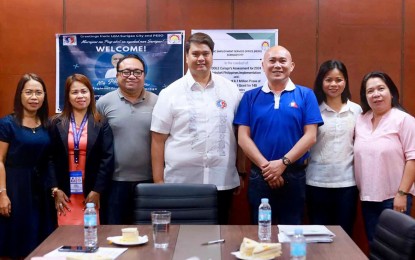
384	150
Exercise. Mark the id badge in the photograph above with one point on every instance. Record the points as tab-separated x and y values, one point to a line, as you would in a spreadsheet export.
75	178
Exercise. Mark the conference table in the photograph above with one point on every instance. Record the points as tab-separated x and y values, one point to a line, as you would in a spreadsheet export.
185	242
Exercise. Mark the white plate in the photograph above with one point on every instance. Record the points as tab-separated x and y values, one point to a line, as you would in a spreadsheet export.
239	256
118	240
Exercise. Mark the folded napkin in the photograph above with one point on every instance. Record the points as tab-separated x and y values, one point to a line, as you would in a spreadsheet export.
312	233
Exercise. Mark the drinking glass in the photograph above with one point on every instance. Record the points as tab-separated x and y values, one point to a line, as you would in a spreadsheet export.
161	225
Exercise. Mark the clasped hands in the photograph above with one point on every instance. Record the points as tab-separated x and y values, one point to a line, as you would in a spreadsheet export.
272	172
62	201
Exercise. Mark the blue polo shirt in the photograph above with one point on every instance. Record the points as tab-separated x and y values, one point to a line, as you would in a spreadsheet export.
276	128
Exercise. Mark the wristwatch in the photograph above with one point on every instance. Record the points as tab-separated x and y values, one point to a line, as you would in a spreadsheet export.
286	161
402	193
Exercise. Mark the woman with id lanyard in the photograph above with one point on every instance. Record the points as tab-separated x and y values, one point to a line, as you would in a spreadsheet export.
82	159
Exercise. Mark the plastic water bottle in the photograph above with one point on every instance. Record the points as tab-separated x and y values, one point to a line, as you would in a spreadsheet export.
90	226
298	246
264	220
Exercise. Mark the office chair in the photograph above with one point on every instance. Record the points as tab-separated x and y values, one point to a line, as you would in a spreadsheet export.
394	237
188	203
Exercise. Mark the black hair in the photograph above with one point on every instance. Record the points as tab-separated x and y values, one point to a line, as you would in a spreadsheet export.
42	112
389	84
201	38
325	67
132	56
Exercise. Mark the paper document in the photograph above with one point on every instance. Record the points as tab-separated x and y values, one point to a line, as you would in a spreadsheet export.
312	233
101	253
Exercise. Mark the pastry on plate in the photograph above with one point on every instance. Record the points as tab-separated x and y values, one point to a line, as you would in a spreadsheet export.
266	251
247	246
129	235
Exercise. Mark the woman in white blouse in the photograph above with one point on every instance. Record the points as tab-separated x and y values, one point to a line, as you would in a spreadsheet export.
331	187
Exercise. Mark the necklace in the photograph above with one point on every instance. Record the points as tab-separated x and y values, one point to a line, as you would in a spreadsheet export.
34	128
29	122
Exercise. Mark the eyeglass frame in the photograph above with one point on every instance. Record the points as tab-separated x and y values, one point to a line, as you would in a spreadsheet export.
132	72
29	93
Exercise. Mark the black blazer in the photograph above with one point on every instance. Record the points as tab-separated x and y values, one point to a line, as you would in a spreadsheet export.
99	165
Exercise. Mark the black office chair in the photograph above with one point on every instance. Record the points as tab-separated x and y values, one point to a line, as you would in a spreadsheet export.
188	203
394	237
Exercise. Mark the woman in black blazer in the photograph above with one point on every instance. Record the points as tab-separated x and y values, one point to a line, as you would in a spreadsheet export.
82	159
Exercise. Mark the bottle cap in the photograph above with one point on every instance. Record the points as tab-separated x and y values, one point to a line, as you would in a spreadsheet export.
264	200
298	231
90	205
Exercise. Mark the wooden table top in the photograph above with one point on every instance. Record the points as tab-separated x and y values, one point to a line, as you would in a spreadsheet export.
185	241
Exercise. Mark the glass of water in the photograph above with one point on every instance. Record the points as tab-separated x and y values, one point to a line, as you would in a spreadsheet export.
161	225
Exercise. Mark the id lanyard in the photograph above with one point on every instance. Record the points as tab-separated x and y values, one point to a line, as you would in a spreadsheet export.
77	135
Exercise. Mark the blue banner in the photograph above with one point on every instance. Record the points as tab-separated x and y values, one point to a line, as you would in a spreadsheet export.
96	55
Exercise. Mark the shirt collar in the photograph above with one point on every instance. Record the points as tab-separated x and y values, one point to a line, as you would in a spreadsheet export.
193	85
290	86
142	97
345	108
120	95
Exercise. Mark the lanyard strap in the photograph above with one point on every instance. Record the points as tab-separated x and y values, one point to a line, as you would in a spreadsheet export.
77	135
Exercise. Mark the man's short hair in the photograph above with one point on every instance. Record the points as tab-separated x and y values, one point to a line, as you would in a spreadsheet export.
132	56
201	38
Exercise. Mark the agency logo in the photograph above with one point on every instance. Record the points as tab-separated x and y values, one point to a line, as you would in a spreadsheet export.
265	45
220	103
293	104
174	39
69	40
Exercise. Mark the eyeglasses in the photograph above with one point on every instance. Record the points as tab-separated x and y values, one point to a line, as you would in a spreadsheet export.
29	93
126	73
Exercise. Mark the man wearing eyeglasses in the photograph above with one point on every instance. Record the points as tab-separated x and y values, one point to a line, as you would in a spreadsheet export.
128	110
193	139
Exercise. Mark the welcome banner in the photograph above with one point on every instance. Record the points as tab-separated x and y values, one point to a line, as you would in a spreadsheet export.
96	55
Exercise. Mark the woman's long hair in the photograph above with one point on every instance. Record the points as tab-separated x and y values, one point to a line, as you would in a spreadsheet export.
67	107
43	112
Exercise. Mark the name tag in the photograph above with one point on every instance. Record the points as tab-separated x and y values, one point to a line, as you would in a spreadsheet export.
75	180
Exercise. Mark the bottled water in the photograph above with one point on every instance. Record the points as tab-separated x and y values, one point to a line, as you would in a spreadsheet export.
264	220
90	226
298	246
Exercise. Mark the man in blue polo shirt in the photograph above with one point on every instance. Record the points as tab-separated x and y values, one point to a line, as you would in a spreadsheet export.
277	126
